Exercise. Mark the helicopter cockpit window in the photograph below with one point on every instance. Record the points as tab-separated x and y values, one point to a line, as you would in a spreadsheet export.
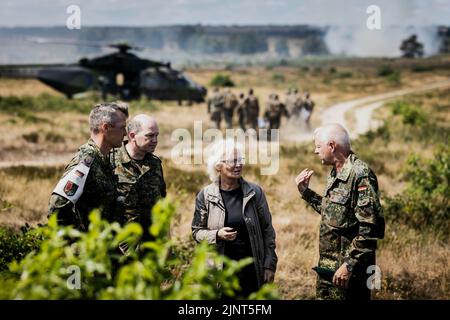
120	79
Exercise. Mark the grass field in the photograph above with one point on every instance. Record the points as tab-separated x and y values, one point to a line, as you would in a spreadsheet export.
414	261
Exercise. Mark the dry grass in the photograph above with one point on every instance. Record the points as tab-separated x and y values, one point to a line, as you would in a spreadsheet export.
410	262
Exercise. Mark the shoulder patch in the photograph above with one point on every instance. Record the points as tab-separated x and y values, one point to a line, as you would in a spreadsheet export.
71	186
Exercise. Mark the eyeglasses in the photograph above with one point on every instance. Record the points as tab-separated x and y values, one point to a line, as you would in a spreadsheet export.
234	162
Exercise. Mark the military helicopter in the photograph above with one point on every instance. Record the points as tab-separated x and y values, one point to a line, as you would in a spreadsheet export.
121	74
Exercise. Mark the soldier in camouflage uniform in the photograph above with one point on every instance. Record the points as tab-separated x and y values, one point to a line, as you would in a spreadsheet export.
139	172
292	102
275	109
231	102
215	107
308	107
240	110
352	219
252	110
88	181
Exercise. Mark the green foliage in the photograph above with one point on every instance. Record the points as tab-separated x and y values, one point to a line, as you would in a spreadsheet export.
422	68
394	78
278	77
23	106
344	74
14	246
26	107
385	70
411	114
113	263
426	201
221	80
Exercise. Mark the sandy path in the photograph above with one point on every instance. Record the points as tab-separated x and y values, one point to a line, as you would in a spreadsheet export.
363	109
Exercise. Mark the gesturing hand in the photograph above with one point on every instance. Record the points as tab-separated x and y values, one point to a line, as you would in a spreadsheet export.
302	180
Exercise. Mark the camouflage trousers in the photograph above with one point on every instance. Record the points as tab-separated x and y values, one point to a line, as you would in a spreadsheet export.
242	122
357	287
357	290
216	118
252	122
228	115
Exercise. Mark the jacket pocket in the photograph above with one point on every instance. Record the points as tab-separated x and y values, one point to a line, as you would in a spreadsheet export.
336	213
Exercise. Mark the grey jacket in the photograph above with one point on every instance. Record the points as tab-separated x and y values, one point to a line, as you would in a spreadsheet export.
209	217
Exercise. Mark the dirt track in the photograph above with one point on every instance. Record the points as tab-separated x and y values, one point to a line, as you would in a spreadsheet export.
363	109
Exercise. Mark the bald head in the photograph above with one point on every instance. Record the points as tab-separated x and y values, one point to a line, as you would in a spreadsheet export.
334	132
143	134
141	121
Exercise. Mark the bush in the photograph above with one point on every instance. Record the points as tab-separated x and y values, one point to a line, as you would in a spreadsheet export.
25	107
394	78
15	246
344	74
411	114
385	70
426	201
422	68
76	265
278	77
221	80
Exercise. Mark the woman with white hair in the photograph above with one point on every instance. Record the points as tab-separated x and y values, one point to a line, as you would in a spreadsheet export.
233	215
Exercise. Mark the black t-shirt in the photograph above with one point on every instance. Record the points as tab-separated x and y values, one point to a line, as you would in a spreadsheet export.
234	218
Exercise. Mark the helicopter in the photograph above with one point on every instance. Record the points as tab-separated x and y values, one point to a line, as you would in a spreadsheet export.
120	73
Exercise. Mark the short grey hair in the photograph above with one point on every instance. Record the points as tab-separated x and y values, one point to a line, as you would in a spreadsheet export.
134	125
217	152
333	132
106	113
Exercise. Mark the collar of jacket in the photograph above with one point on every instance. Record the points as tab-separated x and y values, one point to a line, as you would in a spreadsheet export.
215	196
347	168
125	156
105	159
343	174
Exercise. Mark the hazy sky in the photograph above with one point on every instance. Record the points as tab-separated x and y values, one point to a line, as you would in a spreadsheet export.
223	12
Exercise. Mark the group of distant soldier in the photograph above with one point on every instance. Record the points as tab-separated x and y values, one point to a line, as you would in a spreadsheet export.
224	104
300	107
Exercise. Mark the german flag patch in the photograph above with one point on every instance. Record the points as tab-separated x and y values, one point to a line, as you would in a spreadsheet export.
362	188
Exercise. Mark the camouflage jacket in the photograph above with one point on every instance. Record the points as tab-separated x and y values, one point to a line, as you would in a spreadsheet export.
275	110
140	185
216	102
352	219
98	192
308	104
251	106
230	101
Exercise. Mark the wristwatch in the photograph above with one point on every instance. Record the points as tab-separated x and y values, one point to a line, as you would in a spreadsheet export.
349	267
